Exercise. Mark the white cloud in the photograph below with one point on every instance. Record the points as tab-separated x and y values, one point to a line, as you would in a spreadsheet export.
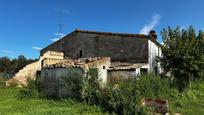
37	48
8	51
54	39
58	36
154	21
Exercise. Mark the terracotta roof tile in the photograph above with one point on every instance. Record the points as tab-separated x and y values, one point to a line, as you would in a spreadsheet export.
125	66
75	62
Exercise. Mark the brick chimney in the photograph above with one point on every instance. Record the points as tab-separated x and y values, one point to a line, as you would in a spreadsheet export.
153	34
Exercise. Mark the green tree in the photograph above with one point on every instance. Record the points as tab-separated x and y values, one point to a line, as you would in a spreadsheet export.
8	67
183	52
5	64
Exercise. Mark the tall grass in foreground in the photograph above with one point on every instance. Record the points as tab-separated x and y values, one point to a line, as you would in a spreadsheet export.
122	97
2	82
10	104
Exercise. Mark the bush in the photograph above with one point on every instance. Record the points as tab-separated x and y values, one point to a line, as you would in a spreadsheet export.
2	82
29	91
152	86
123	98
91	88
70	87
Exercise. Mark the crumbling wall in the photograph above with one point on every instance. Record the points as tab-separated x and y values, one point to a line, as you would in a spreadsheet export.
29	71
102	66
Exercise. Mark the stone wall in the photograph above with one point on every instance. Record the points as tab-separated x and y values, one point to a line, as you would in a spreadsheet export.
53	55
51	79
119	48
102	66
29	71
121	74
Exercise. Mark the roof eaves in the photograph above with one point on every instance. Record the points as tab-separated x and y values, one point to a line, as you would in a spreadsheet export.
113	33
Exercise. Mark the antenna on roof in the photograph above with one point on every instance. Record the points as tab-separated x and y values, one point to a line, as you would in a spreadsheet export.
60	35
60	27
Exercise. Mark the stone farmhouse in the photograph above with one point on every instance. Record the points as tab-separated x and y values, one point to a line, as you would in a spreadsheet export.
112	55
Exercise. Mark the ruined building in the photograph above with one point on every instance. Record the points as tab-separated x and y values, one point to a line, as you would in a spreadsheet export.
112	54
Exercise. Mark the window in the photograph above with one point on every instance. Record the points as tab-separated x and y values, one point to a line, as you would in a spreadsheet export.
80	54
42	63
156	70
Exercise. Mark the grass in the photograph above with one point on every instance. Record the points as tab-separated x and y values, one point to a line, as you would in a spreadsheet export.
11	105
191	101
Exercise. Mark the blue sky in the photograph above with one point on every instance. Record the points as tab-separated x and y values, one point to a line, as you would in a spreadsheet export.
28	25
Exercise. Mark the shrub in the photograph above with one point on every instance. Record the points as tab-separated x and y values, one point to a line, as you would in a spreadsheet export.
123	98
91	92
152	86
29	91
70	87
2	82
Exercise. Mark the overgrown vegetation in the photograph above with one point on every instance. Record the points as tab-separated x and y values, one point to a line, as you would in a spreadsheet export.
153	86
71	87
121	98
29	91
183	55
10	104
2	82
190	101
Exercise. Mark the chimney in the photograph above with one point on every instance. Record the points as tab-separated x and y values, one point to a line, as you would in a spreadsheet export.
153	34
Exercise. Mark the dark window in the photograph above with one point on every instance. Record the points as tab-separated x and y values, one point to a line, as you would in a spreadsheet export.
156	70
80	54
42	63
104	67
143	71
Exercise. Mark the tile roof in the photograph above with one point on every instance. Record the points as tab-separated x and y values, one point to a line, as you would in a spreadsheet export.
125	66
75	62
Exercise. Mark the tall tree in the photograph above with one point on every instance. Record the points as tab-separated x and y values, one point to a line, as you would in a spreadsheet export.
183	52
8	67
5	64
